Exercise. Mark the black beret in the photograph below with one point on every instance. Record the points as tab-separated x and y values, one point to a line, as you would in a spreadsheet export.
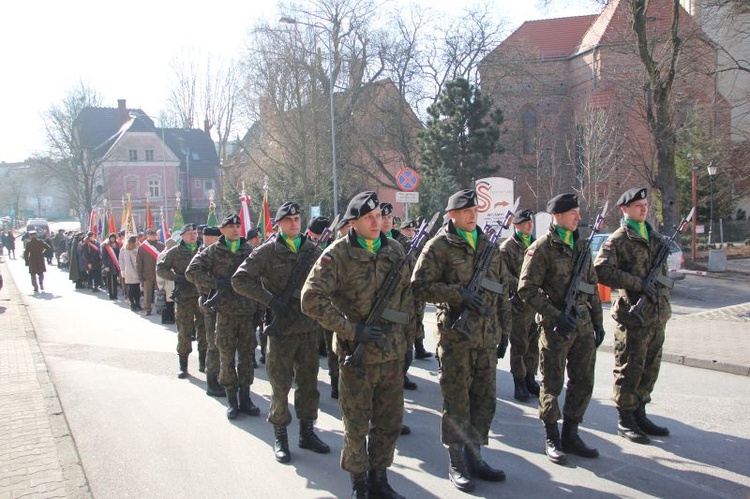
211	231
562	203
318	225
187	228
465	198
232	219
523	216
252	233
411	223
386	208
361	204
633	194
286	209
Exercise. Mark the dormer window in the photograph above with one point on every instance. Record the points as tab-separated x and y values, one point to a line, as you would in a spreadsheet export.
132	154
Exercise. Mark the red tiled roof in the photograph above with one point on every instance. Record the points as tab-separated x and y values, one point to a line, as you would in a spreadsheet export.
552	37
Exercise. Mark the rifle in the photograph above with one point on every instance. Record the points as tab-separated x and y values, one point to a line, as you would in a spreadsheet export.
296	277
654	272
571	294
481	268
385	293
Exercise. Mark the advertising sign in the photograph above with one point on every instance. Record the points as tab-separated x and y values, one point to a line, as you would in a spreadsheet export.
494	198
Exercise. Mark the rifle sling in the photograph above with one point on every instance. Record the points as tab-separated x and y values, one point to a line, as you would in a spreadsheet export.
585	287
395	316
492	286
665	281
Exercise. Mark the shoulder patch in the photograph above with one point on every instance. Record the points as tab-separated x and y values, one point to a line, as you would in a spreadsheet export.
608	244
530	252
325	259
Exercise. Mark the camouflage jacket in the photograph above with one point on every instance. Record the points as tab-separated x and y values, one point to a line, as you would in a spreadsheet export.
341	289
546	272
445	266
265	274
512	251
398	236
213	268
622	263
176	261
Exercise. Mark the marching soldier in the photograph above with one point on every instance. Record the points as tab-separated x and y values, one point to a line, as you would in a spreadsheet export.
524	335
210	363
273	276
408	229
339	294
623	262
145	259
187	316
254	240
467	365
567	342
213	268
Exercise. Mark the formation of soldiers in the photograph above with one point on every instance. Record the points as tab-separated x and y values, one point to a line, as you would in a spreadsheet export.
366	292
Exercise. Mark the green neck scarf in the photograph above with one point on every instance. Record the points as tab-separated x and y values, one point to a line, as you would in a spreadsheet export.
524	238
192	247
232	245
292	243
566	235
639	227
371	246
389	234
470	237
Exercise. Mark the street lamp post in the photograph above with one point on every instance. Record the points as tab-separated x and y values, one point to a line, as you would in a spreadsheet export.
711	174
694	191
290	20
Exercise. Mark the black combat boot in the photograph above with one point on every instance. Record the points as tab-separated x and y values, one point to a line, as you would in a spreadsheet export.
379	486
233	410
409	384
183	372
628	428
478	467
359	486
531	385
334	387
552	444
520	392
458	471
309	440
213	388
202	361
281	444
246	405
572	443
405	429
419	350
648	426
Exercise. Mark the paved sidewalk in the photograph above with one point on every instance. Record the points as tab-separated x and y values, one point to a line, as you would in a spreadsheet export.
38	457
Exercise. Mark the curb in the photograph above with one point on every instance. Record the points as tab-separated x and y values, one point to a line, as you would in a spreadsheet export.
76	484
684	360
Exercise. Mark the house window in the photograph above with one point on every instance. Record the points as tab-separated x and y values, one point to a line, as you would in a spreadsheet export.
154	188
529	124
208	185
197	183
149	154
133	154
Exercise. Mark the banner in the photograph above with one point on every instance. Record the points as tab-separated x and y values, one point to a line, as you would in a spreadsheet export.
264	219
149	216
247	222
495	196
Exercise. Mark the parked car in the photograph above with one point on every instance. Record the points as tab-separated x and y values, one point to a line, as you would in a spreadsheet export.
675	260
40	225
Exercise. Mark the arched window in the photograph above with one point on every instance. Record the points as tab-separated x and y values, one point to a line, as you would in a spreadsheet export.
528	131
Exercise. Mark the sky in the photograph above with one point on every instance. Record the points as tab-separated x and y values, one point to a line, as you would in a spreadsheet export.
123	50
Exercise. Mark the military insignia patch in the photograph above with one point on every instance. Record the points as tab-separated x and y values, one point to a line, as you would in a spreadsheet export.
325	259
371	204
607	244
530	252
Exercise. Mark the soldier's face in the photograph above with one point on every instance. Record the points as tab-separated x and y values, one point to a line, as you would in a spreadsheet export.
255	242
190	237
636	210
408	231
568	220
291	225
465	219
368	226
526	227
387	224
209	240
232	232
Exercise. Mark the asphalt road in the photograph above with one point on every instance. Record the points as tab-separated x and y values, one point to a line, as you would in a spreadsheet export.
143	433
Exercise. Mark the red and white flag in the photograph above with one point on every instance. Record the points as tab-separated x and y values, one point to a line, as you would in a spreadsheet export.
247	222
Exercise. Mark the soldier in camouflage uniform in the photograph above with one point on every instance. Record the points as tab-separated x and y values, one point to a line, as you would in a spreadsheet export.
623	262
187	315
273	276
408	229
567	341
524	336
213	268
339	293
211	362
468	365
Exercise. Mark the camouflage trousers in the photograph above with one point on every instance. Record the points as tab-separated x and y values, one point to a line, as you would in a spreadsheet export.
332	358
577	354
372	407
293	358
188	317
524	343
467	382
212	353
637	362
419	307
235	336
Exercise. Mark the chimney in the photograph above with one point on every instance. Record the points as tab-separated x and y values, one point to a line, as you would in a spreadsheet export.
122	110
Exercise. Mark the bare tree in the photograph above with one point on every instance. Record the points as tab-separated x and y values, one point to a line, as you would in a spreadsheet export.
183	96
